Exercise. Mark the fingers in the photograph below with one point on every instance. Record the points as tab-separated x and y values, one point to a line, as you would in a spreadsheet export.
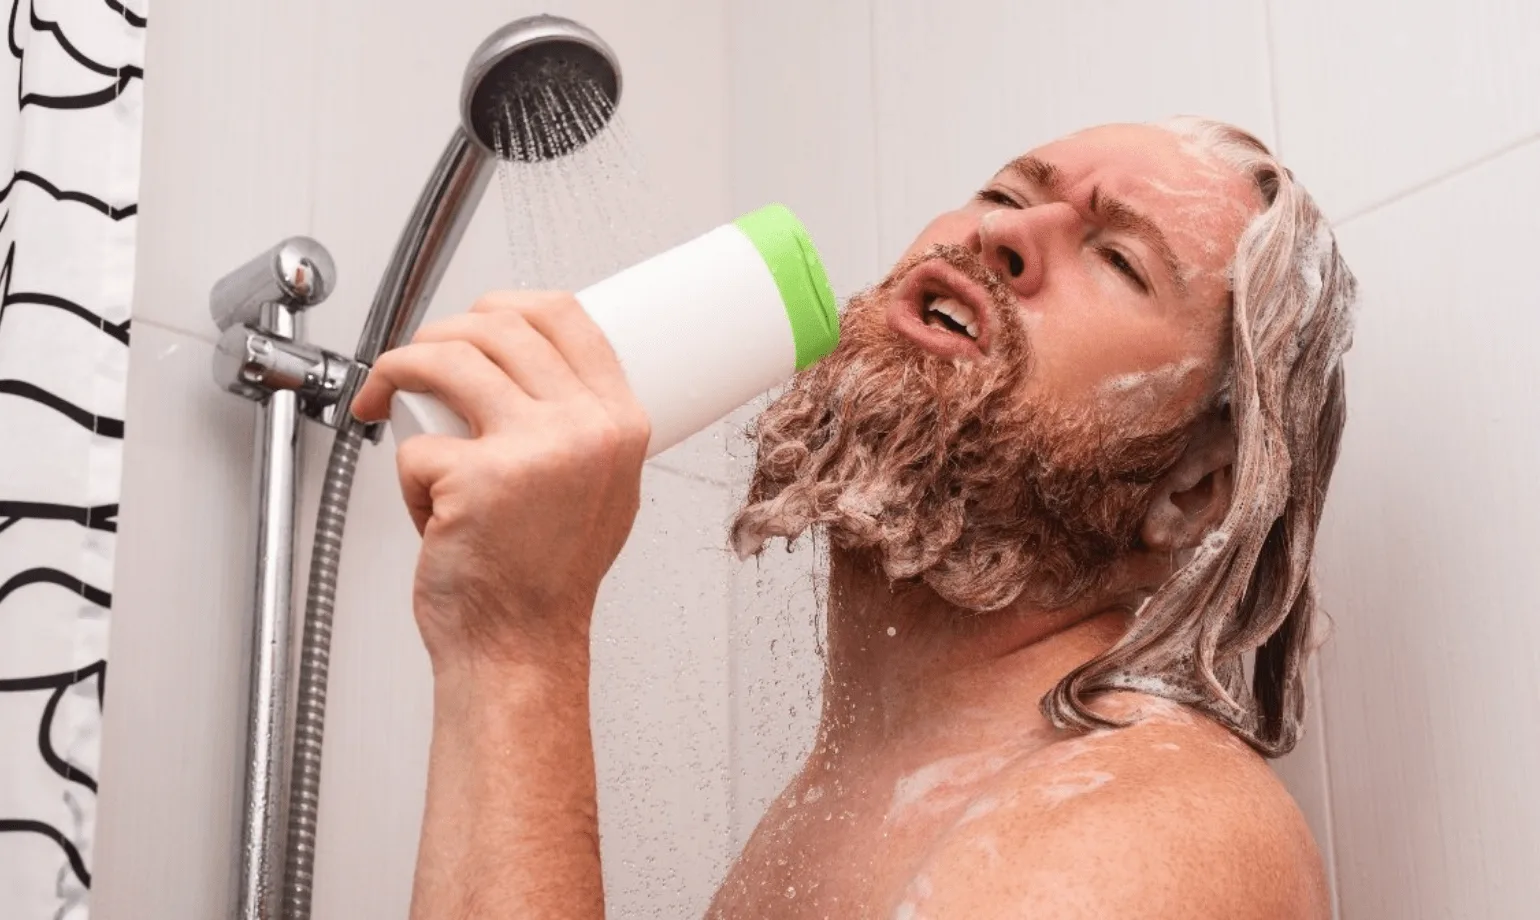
573	334
421	462
515	346
458	373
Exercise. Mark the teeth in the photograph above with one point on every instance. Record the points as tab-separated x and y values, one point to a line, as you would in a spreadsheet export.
960	313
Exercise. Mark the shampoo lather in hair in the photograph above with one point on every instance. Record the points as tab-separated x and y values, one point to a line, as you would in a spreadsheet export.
700	329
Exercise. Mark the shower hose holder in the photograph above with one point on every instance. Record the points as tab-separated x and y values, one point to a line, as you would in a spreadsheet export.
258	309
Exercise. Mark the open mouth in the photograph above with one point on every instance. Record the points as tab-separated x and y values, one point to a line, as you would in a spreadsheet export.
943	311
951	314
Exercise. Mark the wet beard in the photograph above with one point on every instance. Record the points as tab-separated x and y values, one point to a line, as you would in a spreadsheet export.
939	472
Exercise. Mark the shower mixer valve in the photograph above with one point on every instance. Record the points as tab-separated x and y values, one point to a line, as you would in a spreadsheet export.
257	308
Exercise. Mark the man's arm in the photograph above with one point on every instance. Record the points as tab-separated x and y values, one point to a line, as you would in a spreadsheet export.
520	523
511	824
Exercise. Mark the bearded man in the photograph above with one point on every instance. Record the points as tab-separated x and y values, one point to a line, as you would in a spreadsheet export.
1069	458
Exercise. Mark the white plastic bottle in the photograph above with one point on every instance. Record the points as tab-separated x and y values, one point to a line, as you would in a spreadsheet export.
700	329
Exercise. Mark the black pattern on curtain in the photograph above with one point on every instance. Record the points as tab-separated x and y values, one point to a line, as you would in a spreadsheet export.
69	161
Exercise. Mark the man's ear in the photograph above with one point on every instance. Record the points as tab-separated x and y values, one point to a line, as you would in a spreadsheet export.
1195	495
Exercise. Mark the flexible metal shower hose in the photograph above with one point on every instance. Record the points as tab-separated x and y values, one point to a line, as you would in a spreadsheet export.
315	663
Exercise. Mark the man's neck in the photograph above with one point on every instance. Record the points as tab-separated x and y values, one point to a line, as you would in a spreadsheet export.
907	669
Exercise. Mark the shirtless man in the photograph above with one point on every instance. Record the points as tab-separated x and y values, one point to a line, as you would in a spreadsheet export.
1069	458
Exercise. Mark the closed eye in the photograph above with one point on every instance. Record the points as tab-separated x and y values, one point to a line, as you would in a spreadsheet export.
1114	258
1120	262
995	196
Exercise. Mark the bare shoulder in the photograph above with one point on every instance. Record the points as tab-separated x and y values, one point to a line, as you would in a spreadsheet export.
1170	818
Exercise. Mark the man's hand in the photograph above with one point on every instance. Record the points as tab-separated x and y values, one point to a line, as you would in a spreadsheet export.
521	522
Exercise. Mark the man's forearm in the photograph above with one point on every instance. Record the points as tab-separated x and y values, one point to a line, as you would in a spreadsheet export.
511	823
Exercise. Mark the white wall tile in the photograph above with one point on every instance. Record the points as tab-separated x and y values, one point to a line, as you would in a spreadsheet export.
777	677
379	711
1432	680
803	123
661	705
803	134
1375	98
1305	774
703	456
964	87
227	161
173	735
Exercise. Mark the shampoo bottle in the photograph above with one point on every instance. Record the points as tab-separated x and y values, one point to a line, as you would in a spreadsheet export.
699	329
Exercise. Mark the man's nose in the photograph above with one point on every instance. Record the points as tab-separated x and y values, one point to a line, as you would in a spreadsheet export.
1017	242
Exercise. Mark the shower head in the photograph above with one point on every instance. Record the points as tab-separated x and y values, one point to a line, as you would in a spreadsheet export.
539	88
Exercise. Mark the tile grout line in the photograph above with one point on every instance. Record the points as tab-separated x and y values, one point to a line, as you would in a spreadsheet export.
1426	184
176	330
1333	870
877	171
733	169
682	472
1272	76
313	141
1323	764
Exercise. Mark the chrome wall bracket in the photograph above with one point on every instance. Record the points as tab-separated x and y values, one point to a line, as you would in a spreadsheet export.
260	352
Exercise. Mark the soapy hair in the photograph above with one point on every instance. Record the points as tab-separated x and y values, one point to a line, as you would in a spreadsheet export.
1248	586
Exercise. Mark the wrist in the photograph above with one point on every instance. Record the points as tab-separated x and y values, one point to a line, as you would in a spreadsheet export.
503	687
477	645
511	817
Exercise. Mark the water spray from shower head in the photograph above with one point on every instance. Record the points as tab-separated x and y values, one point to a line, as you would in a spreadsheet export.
539	88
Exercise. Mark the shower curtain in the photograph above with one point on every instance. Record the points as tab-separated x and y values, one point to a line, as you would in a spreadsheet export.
69	160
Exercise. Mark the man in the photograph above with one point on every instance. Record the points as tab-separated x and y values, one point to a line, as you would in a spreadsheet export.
1069	457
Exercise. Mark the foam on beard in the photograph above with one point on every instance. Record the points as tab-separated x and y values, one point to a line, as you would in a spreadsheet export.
941	472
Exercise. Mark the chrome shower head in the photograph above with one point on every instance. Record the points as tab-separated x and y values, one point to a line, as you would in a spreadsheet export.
562	82
539	88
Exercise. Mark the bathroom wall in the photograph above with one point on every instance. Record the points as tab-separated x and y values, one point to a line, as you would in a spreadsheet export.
1417	127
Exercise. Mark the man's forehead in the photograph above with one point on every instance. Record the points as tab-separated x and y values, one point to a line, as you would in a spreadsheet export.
1131	155
1199	203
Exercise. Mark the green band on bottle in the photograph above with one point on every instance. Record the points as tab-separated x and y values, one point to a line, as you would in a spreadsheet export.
788	252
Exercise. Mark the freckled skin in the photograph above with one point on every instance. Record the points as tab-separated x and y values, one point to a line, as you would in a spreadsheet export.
942	790
1173	812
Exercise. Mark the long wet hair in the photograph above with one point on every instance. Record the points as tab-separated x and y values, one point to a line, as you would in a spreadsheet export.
1249	588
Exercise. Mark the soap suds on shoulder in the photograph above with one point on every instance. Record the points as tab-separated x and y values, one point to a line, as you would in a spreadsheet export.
943	784
1075	785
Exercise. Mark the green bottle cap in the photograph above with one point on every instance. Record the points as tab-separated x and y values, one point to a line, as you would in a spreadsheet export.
788	252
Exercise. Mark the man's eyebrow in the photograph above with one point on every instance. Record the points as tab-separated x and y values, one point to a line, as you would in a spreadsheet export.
1113	213
1116	215
1039	172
